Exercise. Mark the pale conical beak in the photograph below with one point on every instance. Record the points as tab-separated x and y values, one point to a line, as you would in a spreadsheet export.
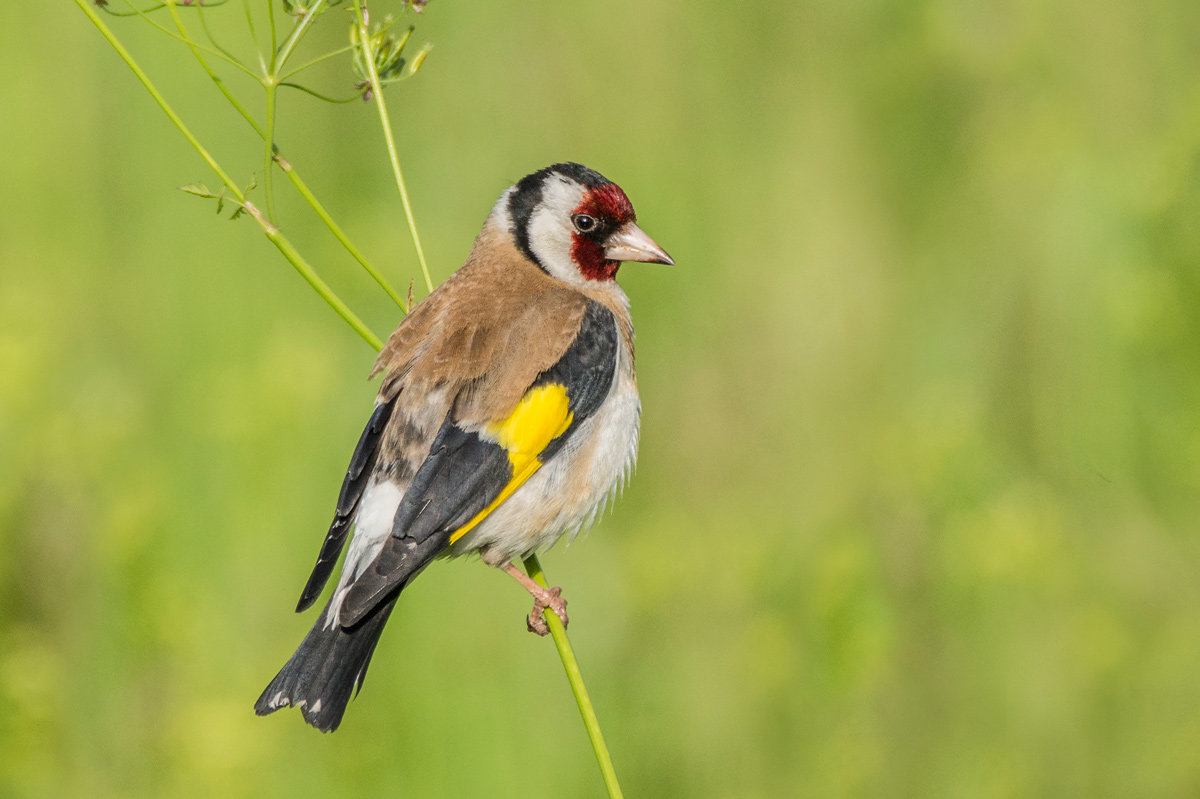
630	243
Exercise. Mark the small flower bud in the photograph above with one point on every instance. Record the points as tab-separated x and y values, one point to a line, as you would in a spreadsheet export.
419	59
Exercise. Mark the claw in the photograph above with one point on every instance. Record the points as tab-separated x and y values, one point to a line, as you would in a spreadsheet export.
542	598
548	598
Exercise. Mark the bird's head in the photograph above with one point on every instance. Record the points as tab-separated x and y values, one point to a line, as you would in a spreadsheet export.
575	224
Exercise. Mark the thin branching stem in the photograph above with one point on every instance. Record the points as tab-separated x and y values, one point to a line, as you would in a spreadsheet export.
262	62
269	146
167	31
270	85
315	61
279	57
297	32
290	171
274	35
364	41
272	233
314	93
198	52
212	39
134	10
340	234
137	12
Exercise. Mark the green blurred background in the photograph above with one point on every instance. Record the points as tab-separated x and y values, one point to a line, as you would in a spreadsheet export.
916	510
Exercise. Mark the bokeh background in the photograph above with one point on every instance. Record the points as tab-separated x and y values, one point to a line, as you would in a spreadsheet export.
917	506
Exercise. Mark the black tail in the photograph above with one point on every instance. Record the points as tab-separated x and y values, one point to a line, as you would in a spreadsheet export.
327	668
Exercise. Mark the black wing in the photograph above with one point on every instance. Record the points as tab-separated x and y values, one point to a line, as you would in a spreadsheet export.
362	464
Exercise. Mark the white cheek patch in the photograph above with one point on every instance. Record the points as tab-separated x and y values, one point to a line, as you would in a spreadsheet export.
550	230
550	241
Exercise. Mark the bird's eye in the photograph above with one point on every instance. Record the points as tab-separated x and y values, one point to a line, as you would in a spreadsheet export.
584	223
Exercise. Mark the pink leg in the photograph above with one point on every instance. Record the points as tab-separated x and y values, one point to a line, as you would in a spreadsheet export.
542	598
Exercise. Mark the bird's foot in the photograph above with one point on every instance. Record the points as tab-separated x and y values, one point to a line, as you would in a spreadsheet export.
542	598
546	598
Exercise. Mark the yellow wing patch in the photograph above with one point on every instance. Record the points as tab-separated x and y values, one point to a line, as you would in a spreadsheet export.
541	416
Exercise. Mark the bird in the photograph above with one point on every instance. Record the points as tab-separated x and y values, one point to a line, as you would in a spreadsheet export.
507	416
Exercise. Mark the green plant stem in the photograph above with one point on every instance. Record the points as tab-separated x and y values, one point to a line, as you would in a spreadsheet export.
297	33
274	37
198	52
324	97
279	57
269	145
319	285
287	168
315	61
254	35
216	53
566	654
338	233
364	41
212	39
273	234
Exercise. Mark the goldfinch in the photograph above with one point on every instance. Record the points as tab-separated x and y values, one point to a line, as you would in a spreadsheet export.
507	416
